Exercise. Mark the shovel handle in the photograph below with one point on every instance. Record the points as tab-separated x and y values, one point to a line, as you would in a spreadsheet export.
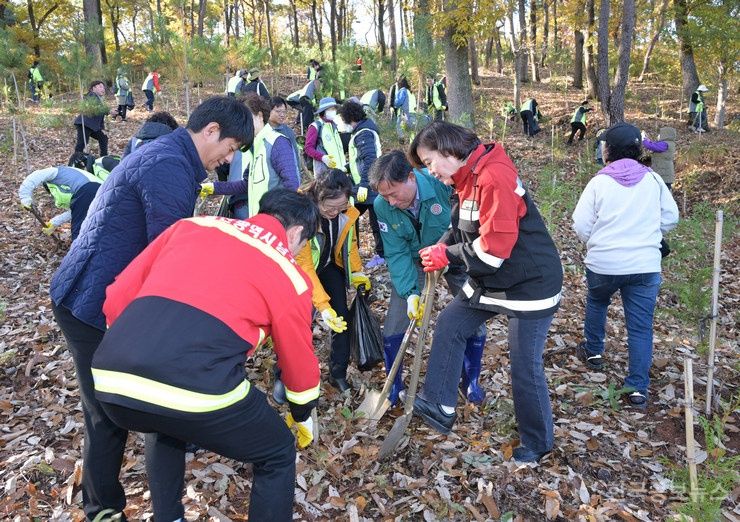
33	210
397	361
428	300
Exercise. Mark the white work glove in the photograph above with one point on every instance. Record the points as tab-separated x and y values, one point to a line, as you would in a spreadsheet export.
361	194
414	310
27	203
332	321
328	161
303	430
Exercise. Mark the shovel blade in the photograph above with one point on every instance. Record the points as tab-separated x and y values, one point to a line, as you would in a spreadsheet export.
374	405
395	435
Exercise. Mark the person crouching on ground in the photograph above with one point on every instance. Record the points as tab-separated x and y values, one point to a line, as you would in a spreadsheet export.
513	268
172	361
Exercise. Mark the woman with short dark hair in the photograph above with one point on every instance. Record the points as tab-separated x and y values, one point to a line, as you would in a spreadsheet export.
513	267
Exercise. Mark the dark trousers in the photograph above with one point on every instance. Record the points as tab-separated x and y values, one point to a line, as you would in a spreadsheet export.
307	113
79	205
85	133
102	453
529	124
459	321
122	111
149	103
249	431
362	207
439	115
576	126
334	281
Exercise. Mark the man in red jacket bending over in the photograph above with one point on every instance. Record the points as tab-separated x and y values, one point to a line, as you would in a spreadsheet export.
172	360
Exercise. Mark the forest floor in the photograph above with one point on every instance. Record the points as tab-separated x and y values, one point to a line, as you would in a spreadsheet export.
609	462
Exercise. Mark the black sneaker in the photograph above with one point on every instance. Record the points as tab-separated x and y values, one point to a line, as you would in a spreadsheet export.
433	415
637	400
594	362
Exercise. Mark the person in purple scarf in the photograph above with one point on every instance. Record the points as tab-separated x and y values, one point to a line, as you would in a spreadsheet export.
622	216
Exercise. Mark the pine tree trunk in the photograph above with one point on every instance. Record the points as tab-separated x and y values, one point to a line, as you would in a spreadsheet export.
201	16
422	32
269	31
316	26
578	61
517	53
92	34
603	58
654	40
294	20
689	75
533	40
591	79
616	101
499	52
473	50
333	28
555	40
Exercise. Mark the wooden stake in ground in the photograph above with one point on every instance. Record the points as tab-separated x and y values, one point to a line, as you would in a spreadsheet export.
715	299
688	383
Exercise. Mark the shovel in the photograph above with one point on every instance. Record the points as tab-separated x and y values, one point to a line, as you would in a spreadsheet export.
393	439
33	210
376	403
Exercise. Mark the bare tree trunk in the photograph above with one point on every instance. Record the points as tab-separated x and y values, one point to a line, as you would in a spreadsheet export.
101	42
317	27
722	94
522	42
555	39
294	19
533	40
35	25
472	49
578	61
269	32
401	22
394	42
489	52
517	54
654	40
545	31
333	28
612	102
689	75
591	79
381	30
227	22
499	51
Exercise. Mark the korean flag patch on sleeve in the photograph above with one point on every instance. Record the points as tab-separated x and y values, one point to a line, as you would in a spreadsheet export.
383	226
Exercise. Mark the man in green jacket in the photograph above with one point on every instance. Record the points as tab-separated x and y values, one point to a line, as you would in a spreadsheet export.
414	211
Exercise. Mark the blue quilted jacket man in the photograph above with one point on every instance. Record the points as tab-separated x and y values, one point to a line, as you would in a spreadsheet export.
148	191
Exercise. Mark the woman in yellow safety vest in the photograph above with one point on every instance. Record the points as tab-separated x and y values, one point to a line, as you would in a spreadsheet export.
332	262
323	143
269	163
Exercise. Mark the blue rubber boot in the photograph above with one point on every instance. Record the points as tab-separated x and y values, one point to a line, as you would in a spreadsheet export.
391	344
471	369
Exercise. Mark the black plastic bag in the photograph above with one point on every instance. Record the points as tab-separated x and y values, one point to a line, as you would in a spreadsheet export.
366	339
665	248
130	101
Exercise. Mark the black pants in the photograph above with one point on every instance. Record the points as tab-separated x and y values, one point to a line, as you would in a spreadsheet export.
149	103
122	111
529	124
576	126
362	207
79	205
85	133
248	431
307	113
439	115
102	453
334	281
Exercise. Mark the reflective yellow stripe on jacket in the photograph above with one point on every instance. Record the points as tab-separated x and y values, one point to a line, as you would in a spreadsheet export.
303	397
160	394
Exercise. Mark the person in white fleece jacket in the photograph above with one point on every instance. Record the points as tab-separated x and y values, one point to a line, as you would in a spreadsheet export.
622	216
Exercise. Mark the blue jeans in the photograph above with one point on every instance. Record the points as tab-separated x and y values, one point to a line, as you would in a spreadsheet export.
639	293
149	103
455	324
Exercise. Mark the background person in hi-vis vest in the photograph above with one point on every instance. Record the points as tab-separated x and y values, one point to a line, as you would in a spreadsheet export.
270	163
323	143
72	189
364	149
